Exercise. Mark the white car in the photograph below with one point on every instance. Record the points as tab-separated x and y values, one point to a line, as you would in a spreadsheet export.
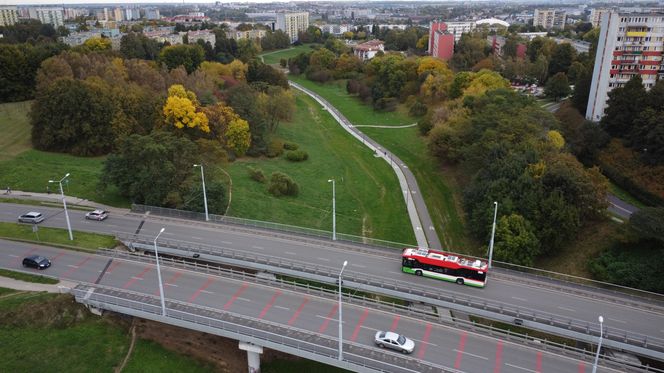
394	341
97	215
31	217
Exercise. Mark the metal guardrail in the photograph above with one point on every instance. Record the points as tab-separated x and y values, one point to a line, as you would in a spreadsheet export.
362	300
616	290
568	327
280	337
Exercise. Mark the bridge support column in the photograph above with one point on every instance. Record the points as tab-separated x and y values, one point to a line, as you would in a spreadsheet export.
253	356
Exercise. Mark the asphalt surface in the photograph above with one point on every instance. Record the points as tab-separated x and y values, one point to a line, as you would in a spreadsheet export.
509	291
466	351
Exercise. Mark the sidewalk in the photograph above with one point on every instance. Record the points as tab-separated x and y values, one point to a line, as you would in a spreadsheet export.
10	283
56	198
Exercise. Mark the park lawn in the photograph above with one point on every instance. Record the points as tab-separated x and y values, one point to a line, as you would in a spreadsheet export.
149	356
369	201
31	170
15	129
27	277
273	57
57	236
282	366
440	190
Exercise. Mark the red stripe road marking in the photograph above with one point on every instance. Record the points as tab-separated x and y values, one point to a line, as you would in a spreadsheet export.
395	322
323	326
20	259
58	256
359	324
499	357
462	345
76	266
582	367
269	304
235	296
170	281
198	292
297	313
133	279
425	342
539	362
112	267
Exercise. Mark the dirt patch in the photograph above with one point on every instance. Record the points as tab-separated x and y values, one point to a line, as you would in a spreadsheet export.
222	353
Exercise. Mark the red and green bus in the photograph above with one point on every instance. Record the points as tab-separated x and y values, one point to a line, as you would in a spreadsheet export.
444	266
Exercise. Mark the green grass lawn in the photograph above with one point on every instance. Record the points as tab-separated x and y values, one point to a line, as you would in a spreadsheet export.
280	366
83	240
15	129
368	196
273	57
439	189
28	277
149	356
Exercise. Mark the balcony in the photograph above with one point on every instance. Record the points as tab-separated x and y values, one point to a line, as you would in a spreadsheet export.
636	34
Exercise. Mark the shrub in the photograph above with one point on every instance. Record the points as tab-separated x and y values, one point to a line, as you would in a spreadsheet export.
386	104
283	62
282	185
297	155
257	174
320	76
290	145
418	109
275	148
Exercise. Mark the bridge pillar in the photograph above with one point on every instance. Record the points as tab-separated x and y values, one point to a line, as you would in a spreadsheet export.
253	356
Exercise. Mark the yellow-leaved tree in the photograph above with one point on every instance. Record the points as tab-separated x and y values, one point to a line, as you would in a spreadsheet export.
238	137
181	110
97	44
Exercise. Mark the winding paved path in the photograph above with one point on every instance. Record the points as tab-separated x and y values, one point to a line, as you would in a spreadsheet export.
425	233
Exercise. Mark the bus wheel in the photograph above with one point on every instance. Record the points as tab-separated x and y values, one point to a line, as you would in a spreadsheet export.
459	281
418	273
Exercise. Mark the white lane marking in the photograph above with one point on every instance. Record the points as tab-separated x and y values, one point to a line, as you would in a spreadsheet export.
196	237
111	225
522	368
282	308
72	266
517	298
565	309
167	284
206	292
226	242
324	259
469	354
137	278
620	321
394	272
289	253
244	299
13	256
258	247
169	233
358	265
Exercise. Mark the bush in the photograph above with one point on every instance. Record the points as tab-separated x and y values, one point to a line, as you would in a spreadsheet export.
386	104
282	185
418	109
297	155
275	148
425	125
257	174
283	62
290	146
320	76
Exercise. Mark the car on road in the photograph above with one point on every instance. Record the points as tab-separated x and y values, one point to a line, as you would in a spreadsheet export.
97	215
31	217
394	341
36	261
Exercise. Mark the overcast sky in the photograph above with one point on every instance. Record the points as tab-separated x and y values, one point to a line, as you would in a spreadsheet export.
115	2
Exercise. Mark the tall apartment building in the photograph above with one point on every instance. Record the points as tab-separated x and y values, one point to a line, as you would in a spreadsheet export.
8	15
54	16
629	44
458	28
441	42
132	14
596	14
118	14
292	23
152	13
549	18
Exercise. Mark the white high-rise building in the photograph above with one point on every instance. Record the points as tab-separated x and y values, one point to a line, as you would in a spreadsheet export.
8	15
596	14
53	16
292	23
118	14
629	44
549	18
132	14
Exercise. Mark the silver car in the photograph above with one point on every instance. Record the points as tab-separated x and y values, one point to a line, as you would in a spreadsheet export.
31	217
394	341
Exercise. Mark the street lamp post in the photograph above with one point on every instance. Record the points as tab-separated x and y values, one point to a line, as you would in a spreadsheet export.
334	212
64	203
599	344
493	232
207	218
340	315
161	287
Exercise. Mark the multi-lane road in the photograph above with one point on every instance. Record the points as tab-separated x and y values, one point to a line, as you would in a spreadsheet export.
464	350
619	317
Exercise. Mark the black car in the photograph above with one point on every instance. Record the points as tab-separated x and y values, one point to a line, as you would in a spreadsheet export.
36	261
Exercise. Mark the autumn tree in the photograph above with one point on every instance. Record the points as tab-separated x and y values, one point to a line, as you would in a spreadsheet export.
181	110
277	104
516	241
97	44
189	56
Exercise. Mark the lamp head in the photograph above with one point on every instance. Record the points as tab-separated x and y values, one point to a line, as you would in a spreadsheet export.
162	230
196	165
330	180
345	263
601	319
67	174
51	181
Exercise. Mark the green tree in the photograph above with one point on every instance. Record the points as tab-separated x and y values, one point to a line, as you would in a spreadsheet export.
247	50
242	98
133	45
277	104
282	185
215	192
623	107
516	242
562	58
557	87
582	90
189	56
